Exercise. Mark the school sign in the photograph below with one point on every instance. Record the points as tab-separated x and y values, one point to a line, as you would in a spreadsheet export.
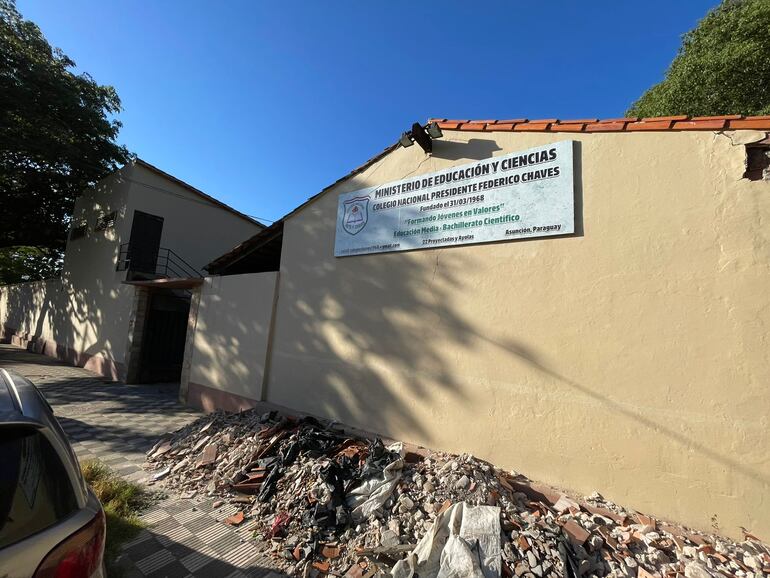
519	195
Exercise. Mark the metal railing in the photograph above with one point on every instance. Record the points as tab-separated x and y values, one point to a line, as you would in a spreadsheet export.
165	264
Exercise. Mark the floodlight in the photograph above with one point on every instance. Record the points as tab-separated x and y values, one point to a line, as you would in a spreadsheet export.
421	137
406	140
434	130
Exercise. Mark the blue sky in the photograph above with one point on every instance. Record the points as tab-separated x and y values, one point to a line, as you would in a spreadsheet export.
263	104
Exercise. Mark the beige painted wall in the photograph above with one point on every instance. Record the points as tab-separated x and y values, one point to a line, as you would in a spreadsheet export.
231	335
632	359
88	314
31	308
84	314
195	229
99	305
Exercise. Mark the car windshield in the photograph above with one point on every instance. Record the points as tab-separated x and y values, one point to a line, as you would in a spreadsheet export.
35	491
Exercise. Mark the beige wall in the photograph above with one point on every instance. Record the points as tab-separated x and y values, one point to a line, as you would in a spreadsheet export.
29	309
632	359
88	314
229	347
195	229
82	317
99	305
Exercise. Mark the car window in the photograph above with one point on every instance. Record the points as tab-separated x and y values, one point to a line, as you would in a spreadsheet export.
35	491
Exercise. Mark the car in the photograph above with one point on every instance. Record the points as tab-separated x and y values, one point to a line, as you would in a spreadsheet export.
51	523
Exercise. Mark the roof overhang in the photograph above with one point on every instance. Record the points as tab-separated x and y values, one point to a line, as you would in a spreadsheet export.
172	283
246	248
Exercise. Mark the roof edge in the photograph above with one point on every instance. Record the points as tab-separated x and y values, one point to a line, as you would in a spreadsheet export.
142	163
243	249
676	123
587	125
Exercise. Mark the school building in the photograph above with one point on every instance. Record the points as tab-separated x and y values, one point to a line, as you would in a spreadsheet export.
583	301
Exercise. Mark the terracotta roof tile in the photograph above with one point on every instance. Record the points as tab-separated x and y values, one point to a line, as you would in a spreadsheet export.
721	116
606	126
675	117
571	126
629	124
751	123
663	123
716	124
532	126
649	125
473	126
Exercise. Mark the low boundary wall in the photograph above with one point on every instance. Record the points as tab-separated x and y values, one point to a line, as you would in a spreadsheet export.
227	351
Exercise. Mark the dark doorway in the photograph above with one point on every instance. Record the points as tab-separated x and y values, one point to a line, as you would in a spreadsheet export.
144	243
164	336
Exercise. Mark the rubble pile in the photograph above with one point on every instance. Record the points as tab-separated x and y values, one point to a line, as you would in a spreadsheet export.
328	503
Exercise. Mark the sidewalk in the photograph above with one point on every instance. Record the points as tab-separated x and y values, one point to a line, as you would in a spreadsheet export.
118	424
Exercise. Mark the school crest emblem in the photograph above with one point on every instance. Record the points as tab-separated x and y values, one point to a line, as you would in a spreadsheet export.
356	214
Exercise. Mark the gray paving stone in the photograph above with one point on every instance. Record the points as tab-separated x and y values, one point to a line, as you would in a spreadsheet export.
118	424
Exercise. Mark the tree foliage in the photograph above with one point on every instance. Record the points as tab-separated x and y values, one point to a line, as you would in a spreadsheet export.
723	66
57	138
28	264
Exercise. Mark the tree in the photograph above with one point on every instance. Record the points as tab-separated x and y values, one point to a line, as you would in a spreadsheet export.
57	138
28	264
723	66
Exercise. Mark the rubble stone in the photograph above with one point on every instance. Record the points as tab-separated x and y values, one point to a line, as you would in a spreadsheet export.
295	481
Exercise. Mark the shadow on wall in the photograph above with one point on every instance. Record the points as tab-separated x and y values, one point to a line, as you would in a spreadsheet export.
355	333
81	318
231	333
616	407
375	341
369	328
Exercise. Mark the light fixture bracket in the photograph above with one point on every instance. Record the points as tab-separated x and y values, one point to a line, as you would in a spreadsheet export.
422	135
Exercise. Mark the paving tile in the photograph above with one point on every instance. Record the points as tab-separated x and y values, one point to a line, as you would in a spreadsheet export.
143	549
199	525
213	533
198	559
173	570
188	515
155	561
241	556
118	424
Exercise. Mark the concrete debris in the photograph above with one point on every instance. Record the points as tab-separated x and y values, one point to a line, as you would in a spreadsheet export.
325	502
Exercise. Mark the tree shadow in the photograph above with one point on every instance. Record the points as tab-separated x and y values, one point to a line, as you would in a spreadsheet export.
474	149
179	552
82	317
528	355
395	344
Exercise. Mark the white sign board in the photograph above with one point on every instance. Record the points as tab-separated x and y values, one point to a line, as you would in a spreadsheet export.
518	195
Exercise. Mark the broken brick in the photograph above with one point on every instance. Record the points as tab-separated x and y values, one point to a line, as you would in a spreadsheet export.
208	457
330	551
575	532
242	449
234	520
445	506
